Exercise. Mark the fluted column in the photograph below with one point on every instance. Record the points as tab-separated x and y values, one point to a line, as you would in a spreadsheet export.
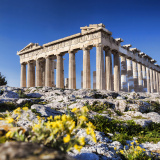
151	80
124	86
23	75
148	80
94	79
38	74
108	70
86	69
48	82
81	79
59	72
43	72
154	81
72	70
140	80
99	67
135	76
144	78
52	72
31	75
130	76
116	72
157	82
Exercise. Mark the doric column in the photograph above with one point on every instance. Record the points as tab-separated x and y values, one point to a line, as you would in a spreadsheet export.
59	72
86	68
99	67
48	82
94	79
52	73
81	79
116	72
108	70
66	82
38	74
144	78
135	76
31	75
23	75
130	76
154	81
157	82
43	72
151	80
124	86
148	80
140	80
72	70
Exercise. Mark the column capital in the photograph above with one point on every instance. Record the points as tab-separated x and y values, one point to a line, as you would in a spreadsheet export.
100	45
106	48
73	51
89	47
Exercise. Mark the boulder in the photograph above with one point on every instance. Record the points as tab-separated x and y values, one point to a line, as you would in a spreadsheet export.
30	151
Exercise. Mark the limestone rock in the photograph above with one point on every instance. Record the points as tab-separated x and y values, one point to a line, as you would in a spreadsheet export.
45	111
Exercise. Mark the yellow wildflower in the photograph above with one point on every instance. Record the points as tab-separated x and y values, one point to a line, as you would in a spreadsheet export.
66	139
138	148
25	108
74	110
57	117
94	139
9	120
64	117
18	117
50	118
77	147
82	141
9	134
83	118
84	109
121	151
17	111
60	125
36	126
132	143
90	125
1	118
115	148
71	125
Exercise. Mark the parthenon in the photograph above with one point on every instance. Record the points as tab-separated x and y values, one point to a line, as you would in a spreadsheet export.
132	70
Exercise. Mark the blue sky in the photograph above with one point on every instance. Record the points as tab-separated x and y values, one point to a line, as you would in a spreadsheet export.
42	21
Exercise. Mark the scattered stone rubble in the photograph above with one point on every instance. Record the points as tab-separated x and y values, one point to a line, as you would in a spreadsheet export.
57	101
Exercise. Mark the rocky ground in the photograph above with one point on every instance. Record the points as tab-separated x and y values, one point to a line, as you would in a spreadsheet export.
137	111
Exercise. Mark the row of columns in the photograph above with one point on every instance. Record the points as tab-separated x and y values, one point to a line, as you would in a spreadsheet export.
133	76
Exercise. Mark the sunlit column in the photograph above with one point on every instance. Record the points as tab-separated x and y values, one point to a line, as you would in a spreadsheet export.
124	86
59	72
108	69
86	68
48	82
23	75
99	67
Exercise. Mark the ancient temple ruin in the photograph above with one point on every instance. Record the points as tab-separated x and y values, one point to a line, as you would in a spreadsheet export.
133	70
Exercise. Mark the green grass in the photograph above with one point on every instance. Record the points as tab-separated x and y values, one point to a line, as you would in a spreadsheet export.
98	107
127	130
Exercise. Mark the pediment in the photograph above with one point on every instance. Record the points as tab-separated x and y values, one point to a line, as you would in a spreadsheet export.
30	46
